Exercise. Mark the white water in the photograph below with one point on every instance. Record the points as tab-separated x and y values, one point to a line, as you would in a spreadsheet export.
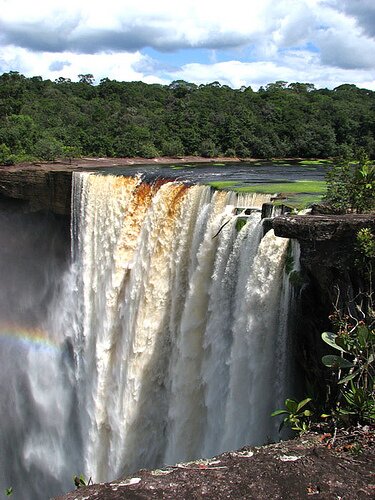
173	337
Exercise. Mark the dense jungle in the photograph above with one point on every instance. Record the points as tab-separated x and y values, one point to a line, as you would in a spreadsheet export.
44	119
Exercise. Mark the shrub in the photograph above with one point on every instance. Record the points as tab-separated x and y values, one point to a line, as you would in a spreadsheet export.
351	186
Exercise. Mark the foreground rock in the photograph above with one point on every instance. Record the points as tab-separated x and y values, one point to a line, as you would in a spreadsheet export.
301	468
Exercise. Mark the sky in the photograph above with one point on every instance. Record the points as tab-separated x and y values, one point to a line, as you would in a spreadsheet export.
235	42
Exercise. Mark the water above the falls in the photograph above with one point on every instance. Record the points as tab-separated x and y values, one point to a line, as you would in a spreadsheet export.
168	334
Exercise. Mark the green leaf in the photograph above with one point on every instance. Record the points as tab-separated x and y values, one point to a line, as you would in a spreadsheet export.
330	339
278	412
341	342
333	361
363	333
291	405
348	377
303	403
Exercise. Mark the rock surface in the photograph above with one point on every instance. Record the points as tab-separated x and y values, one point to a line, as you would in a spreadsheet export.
331	279
39	189
297	469
322	227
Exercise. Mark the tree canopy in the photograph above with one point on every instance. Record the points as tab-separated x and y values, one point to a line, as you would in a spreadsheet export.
138	119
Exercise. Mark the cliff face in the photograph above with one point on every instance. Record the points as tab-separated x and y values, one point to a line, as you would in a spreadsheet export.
327	246
331	278
38	189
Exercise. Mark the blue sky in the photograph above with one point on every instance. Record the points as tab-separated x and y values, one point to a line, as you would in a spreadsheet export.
251	43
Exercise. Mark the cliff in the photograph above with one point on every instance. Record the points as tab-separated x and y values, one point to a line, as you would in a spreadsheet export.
327	246
331	279
47	190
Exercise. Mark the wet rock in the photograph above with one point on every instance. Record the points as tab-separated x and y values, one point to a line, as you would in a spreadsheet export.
37	189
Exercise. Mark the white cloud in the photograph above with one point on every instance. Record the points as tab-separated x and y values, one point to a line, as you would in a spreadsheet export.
295	67
325	42
120	66
92	26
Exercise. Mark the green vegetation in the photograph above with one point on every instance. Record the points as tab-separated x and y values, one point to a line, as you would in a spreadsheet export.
308	187
313	162
230	185
350	394
297	416
80	481
351	185
42	119
297	194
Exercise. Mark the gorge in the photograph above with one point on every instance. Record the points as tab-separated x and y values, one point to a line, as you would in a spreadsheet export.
156	340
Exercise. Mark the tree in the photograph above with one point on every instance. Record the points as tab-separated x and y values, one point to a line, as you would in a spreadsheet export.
351	186
6	158
88	79
71	152
48	148
61	80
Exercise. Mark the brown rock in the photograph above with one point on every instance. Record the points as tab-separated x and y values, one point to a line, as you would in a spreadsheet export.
296	469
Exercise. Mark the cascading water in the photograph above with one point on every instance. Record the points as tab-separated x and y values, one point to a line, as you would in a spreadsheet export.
167	334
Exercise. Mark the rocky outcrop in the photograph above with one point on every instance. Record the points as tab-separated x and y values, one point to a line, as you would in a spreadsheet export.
39	189
327	244
299	468
331	277
322	227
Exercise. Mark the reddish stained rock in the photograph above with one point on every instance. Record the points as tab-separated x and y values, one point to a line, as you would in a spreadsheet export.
301	468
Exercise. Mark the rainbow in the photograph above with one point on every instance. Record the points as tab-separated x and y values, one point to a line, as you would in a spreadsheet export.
29	337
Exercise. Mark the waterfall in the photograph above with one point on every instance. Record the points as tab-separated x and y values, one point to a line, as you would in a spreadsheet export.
169	329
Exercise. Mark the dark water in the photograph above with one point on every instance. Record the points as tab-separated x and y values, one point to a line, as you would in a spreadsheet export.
245	173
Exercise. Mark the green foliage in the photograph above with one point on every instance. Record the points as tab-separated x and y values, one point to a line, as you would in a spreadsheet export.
118	118
9	491
366	243
6	158
80	481
87	79
230	153
240	223
351	186
148	150
48	148
71	152
208	149
297	416
354	367
172	147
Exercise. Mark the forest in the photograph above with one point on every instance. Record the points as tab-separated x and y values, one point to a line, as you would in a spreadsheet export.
44	119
